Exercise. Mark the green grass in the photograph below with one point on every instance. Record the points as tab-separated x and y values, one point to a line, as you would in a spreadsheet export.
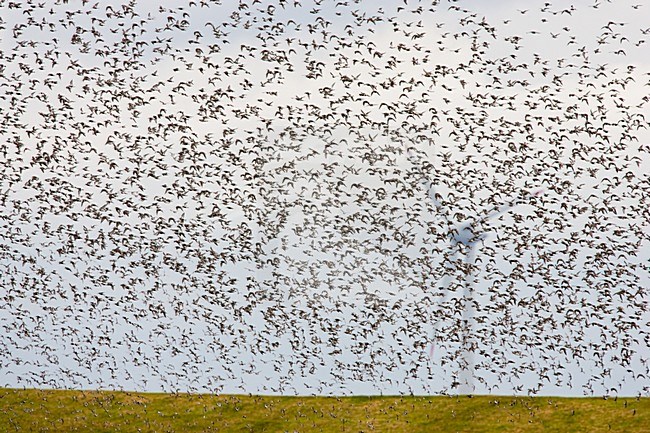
102	411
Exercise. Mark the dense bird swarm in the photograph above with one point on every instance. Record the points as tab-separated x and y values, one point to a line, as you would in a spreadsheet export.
277	196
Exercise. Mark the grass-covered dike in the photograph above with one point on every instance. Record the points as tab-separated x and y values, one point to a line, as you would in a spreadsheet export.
109	411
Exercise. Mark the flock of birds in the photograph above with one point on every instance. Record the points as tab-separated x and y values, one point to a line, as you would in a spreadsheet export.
221	195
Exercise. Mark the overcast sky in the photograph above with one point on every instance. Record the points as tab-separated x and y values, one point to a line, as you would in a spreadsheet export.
220	198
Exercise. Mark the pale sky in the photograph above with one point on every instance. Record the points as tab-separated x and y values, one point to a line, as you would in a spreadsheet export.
200	199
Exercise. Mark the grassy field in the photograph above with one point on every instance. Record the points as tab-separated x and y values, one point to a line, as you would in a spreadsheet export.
86	411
